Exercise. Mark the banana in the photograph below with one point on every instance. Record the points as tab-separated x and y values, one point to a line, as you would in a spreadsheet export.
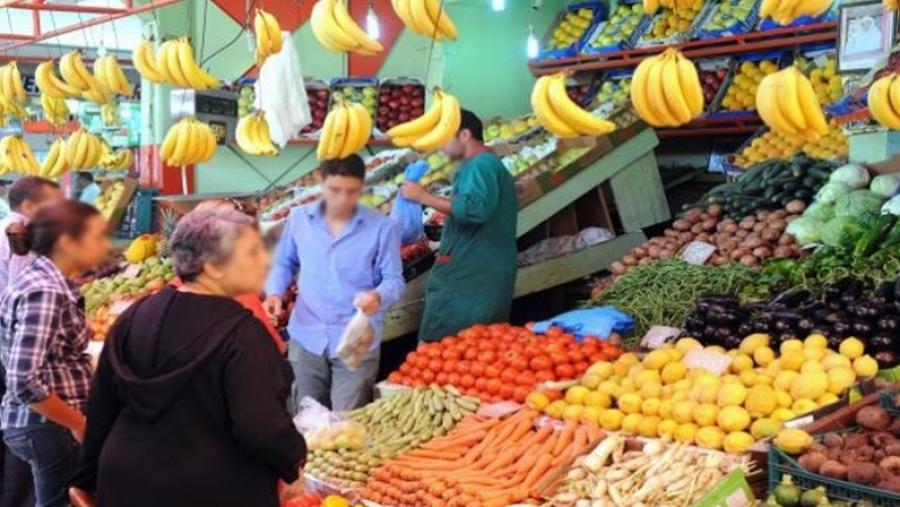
113	77
349	26
173	64
441	19
359	129
167	149
339	134
68	72
48	82
787	98
786	13
327	132
672	91
639	98
31	164
446	128
767	106
263	137
252	135
422	22
55	110
196	77
145	62
55	165
182	144
326	29
650	7
767	7
689	82
572	114
268	35
656	94
816	125
18	88
209	150
401	9
421	125
242	136
543	110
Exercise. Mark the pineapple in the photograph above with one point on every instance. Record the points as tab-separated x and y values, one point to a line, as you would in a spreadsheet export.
167	220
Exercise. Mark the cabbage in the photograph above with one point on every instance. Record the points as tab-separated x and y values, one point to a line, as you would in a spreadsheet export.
885	184
858	202
830	192
841	230
805	230
892	206
819	211
854	175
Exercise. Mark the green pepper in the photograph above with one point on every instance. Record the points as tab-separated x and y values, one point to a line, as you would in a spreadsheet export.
870	240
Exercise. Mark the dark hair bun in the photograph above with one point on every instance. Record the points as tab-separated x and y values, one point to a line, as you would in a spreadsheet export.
19	238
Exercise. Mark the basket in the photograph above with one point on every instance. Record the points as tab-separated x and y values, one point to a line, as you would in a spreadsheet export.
780	464
599	13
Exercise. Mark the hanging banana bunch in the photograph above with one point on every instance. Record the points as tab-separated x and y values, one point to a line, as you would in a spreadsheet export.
426	17
188	142
439	124
784	12
884	101
666	90
252	135
117	160
174	63
269	39
55	110
335	29
145	62
562	116
51	85
12	91
787	103
109	114
56	164
83	150
346	130
16	155
110	75
76	75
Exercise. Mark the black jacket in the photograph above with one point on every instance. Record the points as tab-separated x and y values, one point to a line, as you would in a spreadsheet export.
188	408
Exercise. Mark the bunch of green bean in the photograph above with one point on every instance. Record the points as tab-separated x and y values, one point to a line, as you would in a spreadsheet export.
666	292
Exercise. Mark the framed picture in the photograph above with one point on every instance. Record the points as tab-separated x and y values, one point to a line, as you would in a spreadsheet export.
866	34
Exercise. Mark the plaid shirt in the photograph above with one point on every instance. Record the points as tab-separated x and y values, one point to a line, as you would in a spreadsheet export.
43	337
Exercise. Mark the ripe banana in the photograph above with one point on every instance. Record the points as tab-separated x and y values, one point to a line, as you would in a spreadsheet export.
111	76
118	160
74	72
83	150
177	66
570	113
268	35
50	84
666	90
55	110
787	103
12	89
16	155
366	44
881	107
426	17
188	142
145	62
544	112
55	165
334	132
434	128
252	135
109	114
784	12
328	31
419	126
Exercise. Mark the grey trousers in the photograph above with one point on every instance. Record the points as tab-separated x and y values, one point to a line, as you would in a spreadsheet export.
331	383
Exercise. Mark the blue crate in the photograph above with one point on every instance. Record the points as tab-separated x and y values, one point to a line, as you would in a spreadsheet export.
626	43
139	214
738	27
599	10
768	24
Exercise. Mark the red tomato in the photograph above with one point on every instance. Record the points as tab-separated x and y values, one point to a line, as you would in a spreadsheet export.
428	376
453	378
466	380
471	353
471	392
435	365
576	355
545	375
526	378
493	386
441	378
553	394
519	363
487	357
491	371
480	383
531	351
476	369
413	356
449	366
506	391
448	353
567	339
581	367
590	340
422	362
405	368
540	362
564	371
520	393
462	367
559	358
433	350
508	376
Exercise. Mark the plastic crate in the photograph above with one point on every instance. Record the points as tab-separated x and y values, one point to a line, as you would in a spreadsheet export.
647	39
139	214
599	14
780	464
626	43
740	26
715	111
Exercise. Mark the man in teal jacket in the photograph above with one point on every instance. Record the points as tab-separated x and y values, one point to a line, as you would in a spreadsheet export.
475	271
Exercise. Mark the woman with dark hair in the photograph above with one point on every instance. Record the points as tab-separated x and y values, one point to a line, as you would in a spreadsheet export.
190	391
43	337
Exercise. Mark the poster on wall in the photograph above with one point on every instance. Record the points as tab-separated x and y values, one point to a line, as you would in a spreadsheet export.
865	35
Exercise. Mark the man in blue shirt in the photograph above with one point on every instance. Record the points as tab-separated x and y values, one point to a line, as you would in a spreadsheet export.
347	257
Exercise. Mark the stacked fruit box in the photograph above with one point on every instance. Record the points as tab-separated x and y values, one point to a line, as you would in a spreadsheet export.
400	100
621	31
569	34
714	74
361	90
671	26
739	97
769	24
731	17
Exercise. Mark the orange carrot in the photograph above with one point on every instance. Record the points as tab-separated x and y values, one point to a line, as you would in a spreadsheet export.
527	462
565	438
540	467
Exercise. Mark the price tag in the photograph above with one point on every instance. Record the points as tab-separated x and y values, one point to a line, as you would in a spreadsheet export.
697	252
132	271
658	335
713	362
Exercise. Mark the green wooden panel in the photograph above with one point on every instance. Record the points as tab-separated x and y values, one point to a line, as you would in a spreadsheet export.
874	147
639	194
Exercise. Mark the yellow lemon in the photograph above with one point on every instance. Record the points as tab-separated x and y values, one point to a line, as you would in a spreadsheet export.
792	360
687	343
784	379
575	395
597	399
630	403
673	372
780	415
813	354
626	385
628	359
783	398
650	390
717	349
681	395
674	354
737	442
740	363
851	347
683	411
793	441
733	419
620	369
611	419
731	394
648	376
748	377
635	370
572	412
753	342
763	356
685	432
537	400
865	366
656	359
591	381
792	345
809	385
764	428
815	340
811	366
773	367
760	401
803	406
705	378
831	361
705	414
650	406
731	378
682	385
840	378
709	394
610	387
667	427
709	437
555	409
590	414
603	369
666	392
764	379
648	426
827	399
665	409
631	422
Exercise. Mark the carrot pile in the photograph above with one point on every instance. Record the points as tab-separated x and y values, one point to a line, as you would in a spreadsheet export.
482	463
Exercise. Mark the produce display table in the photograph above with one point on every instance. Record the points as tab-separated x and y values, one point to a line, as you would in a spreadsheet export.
629	169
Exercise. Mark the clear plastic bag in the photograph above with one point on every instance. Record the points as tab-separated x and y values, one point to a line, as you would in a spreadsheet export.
355	340
327	430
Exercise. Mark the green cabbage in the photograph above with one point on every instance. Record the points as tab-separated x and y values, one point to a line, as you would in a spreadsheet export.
831	191
853	175
805	230
885	185
820	211
841	230
858	202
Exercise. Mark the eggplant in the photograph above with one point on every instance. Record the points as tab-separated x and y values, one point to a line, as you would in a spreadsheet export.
860	328
746	328
841	329
887	359
709	332
885	290
791	299
834	317
806	325
881	342
889	323
732	342
834	341
783	326
820	315
822	330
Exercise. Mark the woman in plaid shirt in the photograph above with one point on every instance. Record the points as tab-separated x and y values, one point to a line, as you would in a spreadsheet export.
43	336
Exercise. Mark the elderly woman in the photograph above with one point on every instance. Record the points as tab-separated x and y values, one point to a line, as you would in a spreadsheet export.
188	406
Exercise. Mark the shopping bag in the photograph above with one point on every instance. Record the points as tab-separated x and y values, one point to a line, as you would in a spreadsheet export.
355	340
327	430
408	214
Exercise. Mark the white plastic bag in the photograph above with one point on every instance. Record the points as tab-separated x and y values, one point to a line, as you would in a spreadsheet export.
327	430
355	340
280	93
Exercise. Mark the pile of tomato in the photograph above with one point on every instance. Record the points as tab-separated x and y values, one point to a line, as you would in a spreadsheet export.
501	361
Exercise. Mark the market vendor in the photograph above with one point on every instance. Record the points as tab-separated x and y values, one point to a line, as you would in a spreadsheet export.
347	257
474	274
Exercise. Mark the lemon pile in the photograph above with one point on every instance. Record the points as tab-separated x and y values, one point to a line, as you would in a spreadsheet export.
659	396
778	145
741	94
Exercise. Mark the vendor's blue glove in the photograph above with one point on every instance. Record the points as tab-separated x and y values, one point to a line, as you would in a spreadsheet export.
416	170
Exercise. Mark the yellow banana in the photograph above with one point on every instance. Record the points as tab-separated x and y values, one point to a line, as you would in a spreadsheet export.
173	64
167	149
814	117
788	101
785	13
767	106
543	111
421	125
18	88
339	135
639	97
349	26
52	158
326	29
49	83
145	62
118	82
68	72
242	135
572	114
650	7
767	7
327	132
268	35
440	17
183	143
211	145
421	21
689	82
264	137
359	129
446	129
196	77
656	94
672	91
401	9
